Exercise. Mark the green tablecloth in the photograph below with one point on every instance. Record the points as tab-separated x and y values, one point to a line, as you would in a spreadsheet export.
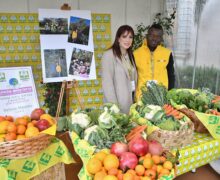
26	168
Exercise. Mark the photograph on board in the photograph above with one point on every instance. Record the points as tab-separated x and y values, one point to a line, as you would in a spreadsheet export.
79	30
54	26
55	63
80	63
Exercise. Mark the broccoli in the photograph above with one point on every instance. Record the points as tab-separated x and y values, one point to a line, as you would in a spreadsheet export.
169	125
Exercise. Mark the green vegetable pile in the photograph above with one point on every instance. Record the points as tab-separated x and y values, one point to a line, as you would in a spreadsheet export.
101	128
200	101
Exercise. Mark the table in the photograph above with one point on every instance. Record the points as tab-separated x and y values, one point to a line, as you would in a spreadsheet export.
201	151
26	168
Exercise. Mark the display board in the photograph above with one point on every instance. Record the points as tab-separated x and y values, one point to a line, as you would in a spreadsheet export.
67	48
20	46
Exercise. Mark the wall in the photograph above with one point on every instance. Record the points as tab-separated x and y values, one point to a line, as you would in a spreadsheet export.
130	12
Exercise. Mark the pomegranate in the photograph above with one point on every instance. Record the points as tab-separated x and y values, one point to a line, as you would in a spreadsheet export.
128	160
155	148
118	148
139	146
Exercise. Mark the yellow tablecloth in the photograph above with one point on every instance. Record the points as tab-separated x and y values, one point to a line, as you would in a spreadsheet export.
203	150
26	168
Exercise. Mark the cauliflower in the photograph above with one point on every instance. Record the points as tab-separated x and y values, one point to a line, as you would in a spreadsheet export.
81	119
105	119
113	108
154	110
88	131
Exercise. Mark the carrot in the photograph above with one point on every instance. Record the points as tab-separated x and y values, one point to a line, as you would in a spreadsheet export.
180	116
135	131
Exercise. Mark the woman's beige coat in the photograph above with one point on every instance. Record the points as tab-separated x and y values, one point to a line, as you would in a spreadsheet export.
115	81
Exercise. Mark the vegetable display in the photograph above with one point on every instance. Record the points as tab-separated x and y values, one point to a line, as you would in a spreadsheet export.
101	128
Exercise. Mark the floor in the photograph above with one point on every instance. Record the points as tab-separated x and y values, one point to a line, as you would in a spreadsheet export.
203	173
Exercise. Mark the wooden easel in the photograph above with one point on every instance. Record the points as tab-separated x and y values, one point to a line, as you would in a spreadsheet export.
67	85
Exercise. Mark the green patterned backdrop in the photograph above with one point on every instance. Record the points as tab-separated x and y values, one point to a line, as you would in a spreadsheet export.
20	46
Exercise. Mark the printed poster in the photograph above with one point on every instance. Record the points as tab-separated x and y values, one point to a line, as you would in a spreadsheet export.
67	49
18	95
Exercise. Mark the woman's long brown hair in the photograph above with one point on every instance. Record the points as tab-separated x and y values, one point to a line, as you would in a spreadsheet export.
115	46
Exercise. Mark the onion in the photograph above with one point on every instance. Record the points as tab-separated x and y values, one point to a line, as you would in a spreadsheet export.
128	160
139	146
155	148
118	148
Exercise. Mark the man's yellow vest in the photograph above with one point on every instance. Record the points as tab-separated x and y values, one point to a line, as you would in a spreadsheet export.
151	66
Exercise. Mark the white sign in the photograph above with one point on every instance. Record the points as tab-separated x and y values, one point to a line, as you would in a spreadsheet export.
67	49
18	95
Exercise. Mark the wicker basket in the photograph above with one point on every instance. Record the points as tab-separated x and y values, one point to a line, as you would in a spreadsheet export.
25	147
173	139
199	127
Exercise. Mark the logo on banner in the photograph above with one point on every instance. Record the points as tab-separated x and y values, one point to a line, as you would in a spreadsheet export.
12	174
24	75
59	152
45	158
28	166
2	77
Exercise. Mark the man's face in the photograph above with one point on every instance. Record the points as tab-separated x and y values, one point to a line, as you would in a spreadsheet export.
154	38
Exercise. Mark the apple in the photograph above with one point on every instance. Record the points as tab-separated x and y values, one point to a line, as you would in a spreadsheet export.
36	113
42	124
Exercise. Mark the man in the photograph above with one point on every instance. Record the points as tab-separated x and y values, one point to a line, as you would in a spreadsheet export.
153	61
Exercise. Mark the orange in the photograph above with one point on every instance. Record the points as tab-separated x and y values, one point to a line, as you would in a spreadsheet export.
110	177
34	122
165	171
2	118
141	159
3	126
137	177
111	161
30	124
128	176
168	165
148	163
146	178
154	167
12	127
100	155
139	170
21	121
21	129
9	118
21	137
94	165
100	175
150	173
159	168
28	118
113	171
156	159
131	171
148	155
10	136
31	131
162	159
120	175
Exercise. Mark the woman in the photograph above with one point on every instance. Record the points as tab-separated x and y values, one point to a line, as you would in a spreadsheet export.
119	75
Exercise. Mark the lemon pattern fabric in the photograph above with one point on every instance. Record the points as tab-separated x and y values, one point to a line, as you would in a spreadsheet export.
26	168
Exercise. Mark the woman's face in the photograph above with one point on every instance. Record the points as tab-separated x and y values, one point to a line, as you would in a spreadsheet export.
125	40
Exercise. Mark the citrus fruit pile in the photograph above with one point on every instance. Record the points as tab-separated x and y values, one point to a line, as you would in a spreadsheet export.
106	166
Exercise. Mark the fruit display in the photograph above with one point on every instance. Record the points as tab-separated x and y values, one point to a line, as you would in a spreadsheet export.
134	161
25	126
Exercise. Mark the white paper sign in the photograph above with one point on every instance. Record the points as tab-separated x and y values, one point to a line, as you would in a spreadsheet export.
67	49
18	95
